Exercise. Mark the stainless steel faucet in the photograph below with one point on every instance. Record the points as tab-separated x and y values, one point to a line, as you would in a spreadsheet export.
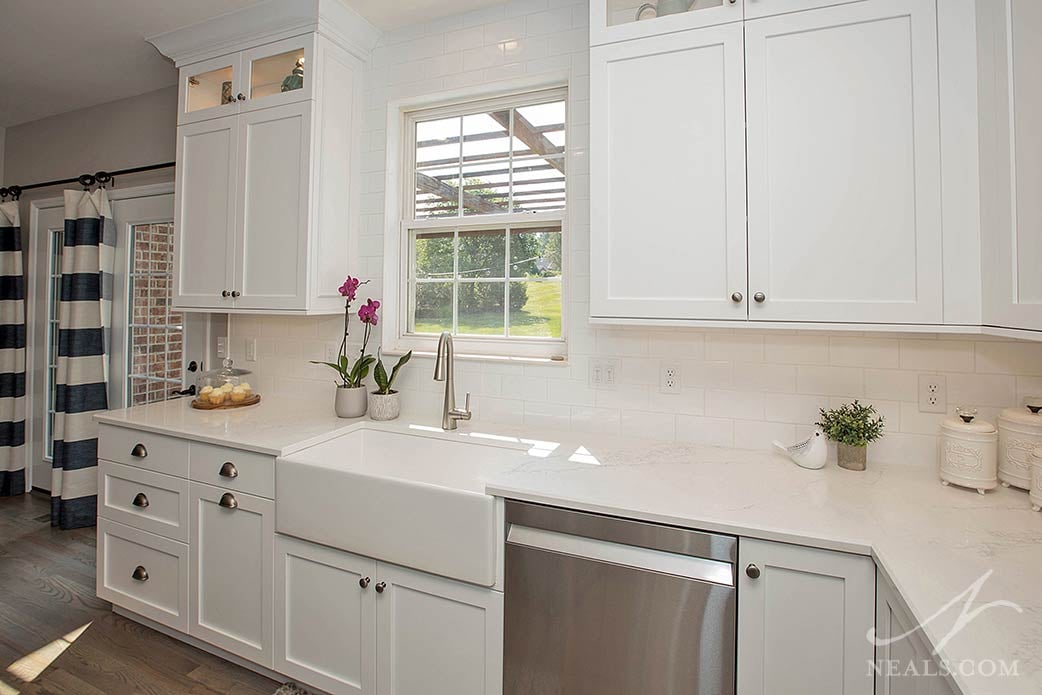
443	372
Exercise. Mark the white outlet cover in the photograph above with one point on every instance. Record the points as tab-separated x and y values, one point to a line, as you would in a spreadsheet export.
933	393
669	378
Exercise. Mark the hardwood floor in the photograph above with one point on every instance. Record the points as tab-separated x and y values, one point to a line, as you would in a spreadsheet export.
48	610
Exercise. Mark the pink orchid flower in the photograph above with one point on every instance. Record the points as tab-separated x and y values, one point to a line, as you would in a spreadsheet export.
349	288
367	312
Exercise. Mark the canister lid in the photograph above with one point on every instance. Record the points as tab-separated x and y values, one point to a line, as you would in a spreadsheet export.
966	421
1028	414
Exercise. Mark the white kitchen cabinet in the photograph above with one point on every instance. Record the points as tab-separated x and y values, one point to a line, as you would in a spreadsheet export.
268	135
437	636
325	617
668	237
232	551
844	164
803	619
1011	162
905	663
623	20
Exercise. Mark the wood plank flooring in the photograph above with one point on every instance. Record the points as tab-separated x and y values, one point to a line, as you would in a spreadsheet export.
47	598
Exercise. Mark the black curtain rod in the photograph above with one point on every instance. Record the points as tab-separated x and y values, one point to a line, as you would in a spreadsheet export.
85	180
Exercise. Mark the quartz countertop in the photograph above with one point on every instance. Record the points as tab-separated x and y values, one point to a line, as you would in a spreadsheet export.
275	426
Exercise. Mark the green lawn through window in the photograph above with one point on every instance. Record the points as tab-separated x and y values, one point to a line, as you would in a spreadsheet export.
539	317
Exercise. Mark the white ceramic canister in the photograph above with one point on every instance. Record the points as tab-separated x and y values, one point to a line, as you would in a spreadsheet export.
1036	480
1020	433
969	453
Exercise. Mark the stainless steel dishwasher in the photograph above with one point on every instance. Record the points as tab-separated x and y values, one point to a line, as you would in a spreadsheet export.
597	605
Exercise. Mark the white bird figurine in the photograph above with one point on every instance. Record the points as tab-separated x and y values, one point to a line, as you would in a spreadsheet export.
810	453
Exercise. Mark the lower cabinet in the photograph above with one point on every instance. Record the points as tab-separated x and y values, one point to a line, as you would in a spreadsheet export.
904	663
803	620
348	624
231	560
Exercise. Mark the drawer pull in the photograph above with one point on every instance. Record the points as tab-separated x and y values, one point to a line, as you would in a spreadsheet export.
228	501
139	451
380	587
140	574
140	500
228	470
364	582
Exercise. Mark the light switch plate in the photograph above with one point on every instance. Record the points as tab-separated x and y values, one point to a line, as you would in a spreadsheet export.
933	393
222	347
604	373
251	349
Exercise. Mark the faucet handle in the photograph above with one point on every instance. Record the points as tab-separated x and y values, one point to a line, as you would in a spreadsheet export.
466	404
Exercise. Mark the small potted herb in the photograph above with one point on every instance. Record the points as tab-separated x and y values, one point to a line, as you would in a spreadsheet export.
852	426
385	403
351	392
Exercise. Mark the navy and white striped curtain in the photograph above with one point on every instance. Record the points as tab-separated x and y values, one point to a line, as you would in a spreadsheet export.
84	328
12	354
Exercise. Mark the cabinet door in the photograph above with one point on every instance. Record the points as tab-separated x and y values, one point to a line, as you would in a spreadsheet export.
904	663
278	73
1011	176
204	213
232	549
437	636
668	177
274	202
623	20
803	621
209	89
325	617
844	164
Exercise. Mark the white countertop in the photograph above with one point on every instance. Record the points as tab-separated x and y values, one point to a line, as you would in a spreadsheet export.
274	426
932	542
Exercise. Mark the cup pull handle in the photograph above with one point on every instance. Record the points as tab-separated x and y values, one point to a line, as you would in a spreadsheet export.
139	451
140	574
228	501
140	500
228	470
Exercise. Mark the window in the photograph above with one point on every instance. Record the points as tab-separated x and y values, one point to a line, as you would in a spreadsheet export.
155	334
483	226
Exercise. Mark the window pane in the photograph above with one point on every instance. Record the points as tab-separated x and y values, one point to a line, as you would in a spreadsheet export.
437	193
432	255
481	309
486	163
535	253
482	253
437	168
538	311
433	310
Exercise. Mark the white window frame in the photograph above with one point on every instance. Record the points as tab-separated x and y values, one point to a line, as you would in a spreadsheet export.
400	224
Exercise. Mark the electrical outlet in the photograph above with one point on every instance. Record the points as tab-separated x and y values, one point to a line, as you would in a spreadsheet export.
222	347
251	349
604	373
669	378
933	393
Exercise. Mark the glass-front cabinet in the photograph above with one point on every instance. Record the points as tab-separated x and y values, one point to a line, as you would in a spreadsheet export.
269	75
620	20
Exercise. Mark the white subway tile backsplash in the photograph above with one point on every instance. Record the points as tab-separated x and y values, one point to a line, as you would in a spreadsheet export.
740	387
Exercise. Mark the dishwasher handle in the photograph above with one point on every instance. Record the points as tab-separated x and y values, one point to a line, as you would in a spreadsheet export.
635	557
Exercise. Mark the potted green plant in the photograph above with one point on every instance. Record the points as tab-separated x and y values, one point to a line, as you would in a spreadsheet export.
351	393
385	403
852	426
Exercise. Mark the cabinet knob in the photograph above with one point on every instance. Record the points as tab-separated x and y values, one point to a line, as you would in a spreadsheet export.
139	451
228	470
140	574
226	294
380	586
240	96
737	297
140	500
759	297
236	293
752	571
363	582
228	501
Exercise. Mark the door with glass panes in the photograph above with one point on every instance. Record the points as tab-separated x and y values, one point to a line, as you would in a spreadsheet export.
152	346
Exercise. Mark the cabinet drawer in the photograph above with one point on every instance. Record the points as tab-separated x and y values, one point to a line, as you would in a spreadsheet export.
153	452
233	469
143	499
144	573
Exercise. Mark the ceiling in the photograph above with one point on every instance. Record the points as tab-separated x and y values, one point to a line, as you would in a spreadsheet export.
63	55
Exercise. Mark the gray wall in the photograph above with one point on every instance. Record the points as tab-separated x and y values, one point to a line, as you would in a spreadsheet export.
115	135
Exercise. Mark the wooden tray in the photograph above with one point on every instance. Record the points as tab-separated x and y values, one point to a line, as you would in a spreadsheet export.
201	405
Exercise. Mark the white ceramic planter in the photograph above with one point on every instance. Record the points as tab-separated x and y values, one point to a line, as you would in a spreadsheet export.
350	402
385	407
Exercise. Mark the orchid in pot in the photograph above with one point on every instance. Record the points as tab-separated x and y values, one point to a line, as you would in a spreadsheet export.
385	403
351	398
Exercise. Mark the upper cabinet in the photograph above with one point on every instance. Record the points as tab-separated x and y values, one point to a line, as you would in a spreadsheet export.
269	111
1011	162
773	162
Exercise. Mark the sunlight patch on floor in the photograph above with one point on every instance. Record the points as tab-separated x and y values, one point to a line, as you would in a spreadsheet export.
30	666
